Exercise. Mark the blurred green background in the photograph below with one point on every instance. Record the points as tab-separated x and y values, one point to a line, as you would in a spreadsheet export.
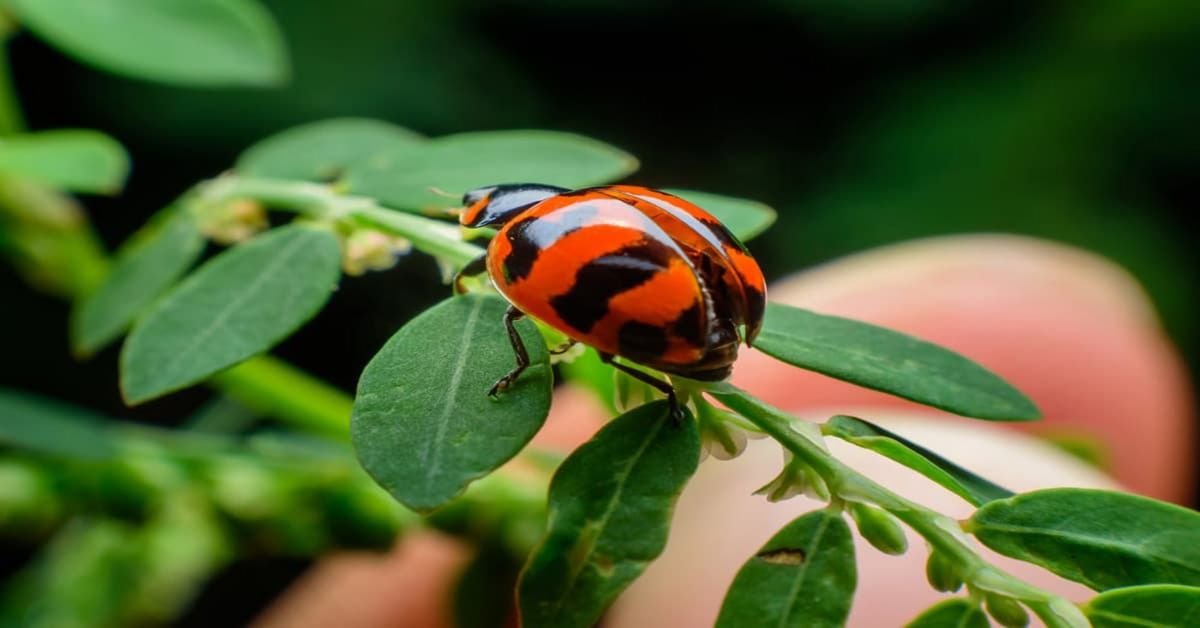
863	122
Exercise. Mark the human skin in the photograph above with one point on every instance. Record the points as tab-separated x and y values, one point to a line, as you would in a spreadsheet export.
1070	329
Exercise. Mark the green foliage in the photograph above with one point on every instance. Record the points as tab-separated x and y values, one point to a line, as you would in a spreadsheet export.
143	270
185	42
950	476
1006	611
879	529
888	361
49	427
953	613
324	150
744	218
803	577
425	429
942	573
610	507
1148	606
1103	539
239	304
408	176
75	160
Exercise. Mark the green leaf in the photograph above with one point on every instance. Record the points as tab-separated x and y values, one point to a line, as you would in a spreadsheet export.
1103	539
891	362
424	426
321	151
184	42
237	305
1150	606
745	218
610	509
952	613
454	164
803	577
76	160
144	269
952	477
51	427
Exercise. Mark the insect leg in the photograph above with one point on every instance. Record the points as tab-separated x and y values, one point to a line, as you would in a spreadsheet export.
664	387
477	266
510	317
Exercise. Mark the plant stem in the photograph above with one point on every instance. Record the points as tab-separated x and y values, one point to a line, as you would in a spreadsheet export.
11	119
274	387
940	531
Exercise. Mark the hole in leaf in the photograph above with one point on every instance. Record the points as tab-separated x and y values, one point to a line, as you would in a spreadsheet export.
784	556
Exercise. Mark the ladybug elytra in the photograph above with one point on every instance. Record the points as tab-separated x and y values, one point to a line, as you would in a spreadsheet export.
631	271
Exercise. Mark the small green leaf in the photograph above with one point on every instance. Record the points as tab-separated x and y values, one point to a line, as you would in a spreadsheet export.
51	427
144	269
1102	539
235	306
889	361
424	426
952	477
803	577
403	178
321	151
744	218
952	613
75	160
1150	606
184	42
610	509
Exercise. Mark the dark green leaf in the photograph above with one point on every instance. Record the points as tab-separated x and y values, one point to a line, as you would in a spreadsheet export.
144	269
321	151
1150	606
1103	539
76	160
404	177
745	218
610	509
50	427
424	426
185	42
953	613
954	478
237	305
803	577
889	361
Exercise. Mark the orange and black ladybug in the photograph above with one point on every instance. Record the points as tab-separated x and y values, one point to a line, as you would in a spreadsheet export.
631	271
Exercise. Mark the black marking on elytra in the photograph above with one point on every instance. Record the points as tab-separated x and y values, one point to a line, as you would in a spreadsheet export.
605	277
640	340
531	235
689	325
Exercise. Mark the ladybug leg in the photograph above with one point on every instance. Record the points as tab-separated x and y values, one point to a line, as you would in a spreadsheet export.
564	347
664	387
510	317
477	266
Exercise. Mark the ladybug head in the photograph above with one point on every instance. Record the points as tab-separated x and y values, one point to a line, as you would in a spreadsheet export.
497	204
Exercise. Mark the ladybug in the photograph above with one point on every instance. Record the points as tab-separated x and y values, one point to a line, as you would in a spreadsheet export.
631	271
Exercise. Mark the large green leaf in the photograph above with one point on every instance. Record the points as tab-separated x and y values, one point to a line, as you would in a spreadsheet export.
424	426
745	218
144	269
954	478
237	305
1103	539
953	613
76	160
321	151
889	361
407	177
610	508
185	42
51	427
1149	606
803	577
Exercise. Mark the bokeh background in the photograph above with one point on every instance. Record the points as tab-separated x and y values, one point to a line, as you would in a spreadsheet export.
864	122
